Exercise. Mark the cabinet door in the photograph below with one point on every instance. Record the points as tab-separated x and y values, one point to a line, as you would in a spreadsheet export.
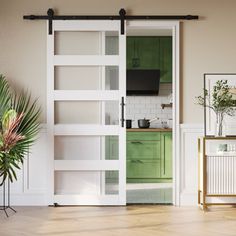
148	51
166	59
144	136
111	147
143	53
143	150
130	52
166	155
112	153
143	169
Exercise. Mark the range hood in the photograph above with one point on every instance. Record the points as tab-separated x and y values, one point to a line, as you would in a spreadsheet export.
142	82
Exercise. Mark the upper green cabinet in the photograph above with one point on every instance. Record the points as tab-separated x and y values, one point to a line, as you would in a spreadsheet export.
140	53
151	52
166	59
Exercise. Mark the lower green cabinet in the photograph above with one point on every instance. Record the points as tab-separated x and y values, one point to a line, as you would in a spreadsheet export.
143	169
149	157
166	155
143	150
111	153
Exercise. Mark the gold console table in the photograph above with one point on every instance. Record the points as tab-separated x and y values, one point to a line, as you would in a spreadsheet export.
216	171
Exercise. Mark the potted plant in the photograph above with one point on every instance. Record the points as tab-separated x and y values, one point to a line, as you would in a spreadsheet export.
221	102
19	125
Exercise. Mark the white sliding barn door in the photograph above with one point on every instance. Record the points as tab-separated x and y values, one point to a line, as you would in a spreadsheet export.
86	80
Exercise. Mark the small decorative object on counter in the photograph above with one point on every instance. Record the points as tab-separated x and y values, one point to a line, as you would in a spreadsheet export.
164	124
222	148
129	124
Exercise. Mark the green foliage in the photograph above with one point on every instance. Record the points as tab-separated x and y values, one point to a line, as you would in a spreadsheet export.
19	126
220	101
5	96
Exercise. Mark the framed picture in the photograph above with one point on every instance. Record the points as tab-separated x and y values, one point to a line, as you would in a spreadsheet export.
210	80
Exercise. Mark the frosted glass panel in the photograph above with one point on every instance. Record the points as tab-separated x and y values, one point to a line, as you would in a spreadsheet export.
87	182
77	43
86	147
87	112
86	77
86	43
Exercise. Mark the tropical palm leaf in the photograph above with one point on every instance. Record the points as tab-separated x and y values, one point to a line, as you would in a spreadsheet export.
24	132
5	96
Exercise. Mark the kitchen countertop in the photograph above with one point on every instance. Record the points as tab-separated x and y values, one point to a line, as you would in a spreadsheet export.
149	130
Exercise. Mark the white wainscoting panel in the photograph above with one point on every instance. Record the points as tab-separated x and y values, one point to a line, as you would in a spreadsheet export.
189	134
30	187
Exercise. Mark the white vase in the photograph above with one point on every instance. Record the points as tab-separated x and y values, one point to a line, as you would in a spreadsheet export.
220	127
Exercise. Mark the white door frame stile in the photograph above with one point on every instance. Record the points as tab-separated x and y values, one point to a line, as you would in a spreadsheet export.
174	27
101	129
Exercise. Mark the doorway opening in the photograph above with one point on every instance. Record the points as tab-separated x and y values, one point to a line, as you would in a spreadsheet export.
152	55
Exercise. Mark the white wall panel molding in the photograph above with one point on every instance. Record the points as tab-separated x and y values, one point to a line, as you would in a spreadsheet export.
189	134
30	187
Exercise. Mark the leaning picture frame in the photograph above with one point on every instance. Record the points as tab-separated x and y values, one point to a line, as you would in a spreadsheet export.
210	80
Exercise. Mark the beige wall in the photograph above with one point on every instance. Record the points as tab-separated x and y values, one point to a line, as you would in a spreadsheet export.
207	45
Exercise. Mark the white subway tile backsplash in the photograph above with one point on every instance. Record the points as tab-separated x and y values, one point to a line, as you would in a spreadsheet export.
139	107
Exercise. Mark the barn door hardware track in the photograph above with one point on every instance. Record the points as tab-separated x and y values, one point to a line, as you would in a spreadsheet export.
122	17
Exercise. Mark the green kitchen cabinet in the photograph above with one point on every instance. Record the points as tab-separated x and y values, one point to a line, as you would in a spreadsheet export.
144	136
143	169
111	148
166	59
151	52
143	150
143	52
166	155
149	157
111	153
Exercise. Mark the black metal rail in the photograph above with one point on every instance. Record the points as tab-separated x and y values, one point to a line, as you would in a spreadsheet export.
122	17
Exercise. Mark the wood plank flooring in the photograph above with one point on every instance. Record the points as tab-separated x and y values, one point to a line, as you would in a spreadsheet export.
131	220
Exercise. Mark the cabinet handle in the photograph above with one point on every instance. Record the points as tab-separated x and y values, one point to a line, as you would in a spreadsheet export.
136	161
122	112
164	154
139	161
136	142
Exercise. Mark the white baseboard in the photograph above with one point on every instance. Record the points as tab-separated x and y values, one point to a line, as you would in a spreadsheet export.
28	199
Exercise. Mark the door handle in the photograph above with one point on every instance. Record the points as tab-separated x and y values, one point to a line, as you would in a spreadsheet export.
122	112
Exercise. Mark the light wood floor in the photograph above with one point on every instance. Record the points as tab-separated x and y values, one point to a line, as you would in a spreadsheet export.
125	221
